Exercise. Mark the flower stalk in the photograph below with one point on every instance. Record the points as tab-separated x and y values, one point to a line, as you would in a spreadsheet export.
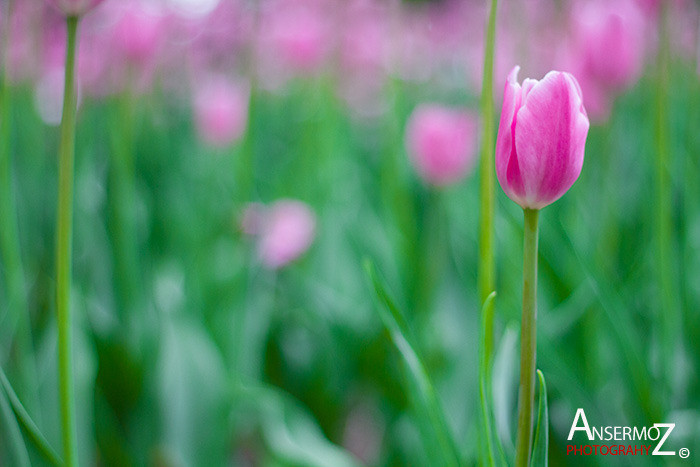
64	235
486	270
528	340
669	306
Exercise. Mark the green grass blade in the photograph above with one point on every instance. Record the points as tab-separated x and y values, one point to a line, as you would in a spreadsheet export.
18	450
492	451
394	322
541	447
27	424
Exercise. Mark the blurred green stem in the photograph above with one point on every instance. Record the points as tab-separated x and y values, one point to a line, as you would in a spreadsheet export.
246	167
245	176
395	191
429	254
669	311
123	205
528	340
485	268
64	234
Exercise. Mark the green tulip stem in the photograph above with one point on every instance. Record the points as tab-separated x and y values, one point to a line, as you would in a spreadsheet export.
64	234
528	340
669	308
485	267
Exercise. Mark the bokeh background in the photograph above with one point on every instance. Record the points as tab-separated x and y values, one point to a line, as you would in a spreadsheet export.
238	160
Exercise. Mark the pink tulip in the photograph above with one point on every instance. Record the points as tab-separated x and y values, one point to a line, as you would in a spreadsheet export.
221	112
363	56
296	35
441	143
541	138
610	39
139	32
23	45
74	7
287	232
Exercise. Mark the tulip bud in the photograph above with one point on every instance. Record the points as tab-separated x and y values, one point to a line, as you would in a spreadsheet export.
441	143
139	32
541	138
610	41
74	7
221	111
287	231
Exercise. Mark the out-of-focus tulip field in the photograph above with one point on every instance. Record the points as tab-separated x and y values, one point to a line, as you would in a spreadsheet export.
278	214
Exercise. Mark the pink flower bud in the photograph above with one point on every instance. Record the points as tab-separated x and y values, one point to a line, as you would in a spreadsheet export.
296	34
221	112
139	32
74	7
610	39
287	232
441	143
541	138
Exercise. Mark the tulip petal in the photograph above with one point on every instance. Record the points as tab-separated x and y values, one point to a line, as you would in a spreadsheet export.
552	128
507	168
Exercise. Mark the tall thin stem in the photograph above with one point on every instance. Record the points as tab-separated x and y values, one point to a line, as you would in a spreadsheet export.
669	307
122	199
486	270
64	235
528	340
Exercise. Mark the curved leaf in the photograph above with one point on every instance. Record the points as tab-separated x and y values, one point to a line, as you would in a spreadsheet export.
395	324
28	424
18	450
541	447
492	451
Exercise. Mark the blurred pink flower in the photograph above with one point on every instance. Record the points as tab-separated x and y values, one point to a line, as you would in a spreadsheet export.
364	37
541	138
441	143
596	96
293	38
138	33
23	44
287	232
221	111
74	7
609	39
220	39
606	51
298	35
364	55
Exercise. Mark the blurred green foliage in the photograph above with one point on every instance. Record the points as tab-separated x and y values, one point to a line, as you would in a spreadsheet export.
188	352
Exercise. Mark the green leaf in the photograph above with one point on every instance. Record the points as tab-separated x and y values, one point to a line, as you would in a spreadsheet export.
292	434
27	424
396	325
492	451
504	388
541	447
18	451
